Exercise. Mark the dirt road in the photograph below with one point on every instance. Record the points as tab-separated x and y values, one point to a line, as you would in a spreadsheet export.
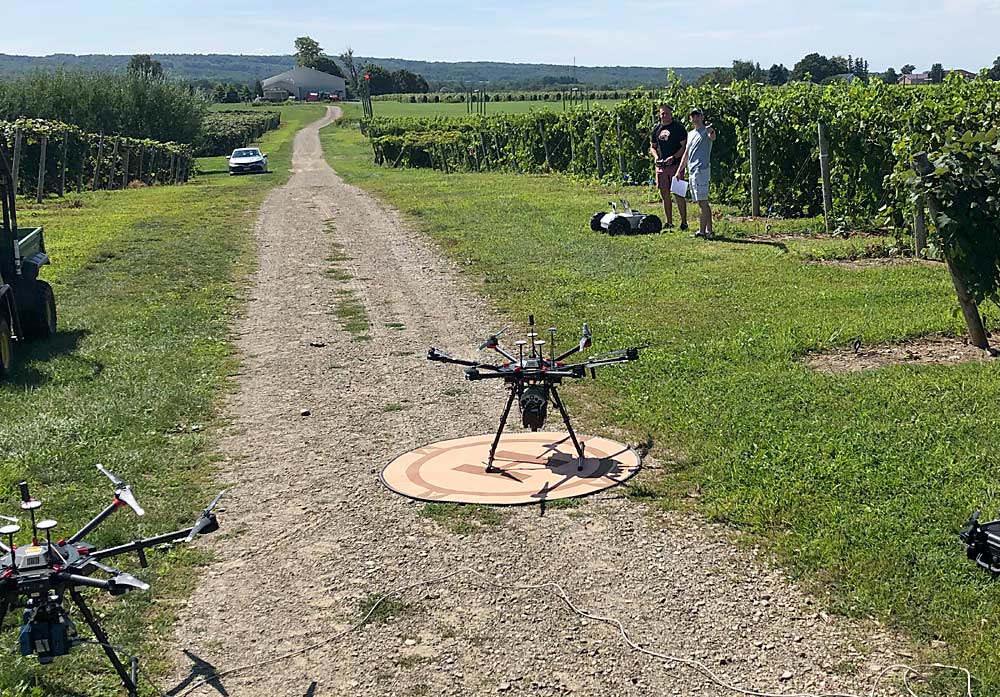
310	533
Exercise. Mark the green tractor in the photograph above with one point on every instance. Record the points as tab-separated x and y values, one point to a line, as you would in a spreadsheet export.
27	305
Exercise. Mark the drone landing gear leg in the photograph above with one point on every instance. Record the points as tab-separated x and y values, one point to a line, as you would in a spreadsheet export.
129	679
503	422
569	427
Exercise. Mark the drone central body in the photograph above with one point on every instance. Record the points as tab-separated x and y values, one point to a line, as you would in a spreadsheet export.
531	377
39	576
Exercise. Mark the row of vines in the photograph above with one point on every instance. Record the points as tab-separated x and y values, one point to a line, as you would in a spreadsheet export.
76	160
873	130
224	131
551	96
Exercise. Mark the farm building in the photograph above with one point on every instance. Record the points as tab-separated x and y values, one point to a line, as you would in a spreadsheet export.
300	82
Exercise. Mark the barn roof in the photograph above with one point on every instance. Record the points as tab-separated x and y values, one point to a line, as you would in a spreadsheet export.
307	77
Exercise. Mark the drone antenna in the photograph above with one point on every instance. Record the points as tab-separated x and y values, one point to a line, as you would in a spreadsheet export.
9	531
29	504
531	333
552	344
520	349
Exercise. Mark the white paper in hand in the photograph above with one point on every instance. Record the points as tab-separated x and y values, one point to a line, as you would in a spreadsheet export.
678	187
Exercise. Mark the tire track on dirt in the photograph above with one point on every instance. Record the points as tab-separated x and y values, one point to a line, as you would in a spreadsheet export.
310	533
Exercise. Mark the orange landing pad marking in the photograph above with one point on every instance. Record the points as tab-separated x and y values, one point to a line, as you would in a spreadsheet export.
535	467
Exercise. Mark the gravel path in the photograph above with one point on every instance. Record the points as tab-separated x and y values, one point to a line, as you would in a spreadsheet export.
310	533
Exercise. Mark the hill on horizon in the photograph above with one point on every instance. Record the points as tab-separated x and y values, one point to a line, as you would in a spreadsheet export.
248	68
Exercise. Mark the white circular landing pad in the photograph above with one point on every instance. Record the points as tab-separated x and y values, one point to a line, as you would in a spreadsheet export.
534	467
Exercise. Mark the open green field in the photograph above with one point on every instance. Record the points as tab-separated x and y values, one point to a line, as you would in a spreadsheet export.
857	482
388	108
147	283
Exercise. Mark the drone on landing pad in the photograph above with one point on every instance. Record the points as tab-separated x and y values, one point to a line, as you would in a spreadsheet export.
532	378
38	576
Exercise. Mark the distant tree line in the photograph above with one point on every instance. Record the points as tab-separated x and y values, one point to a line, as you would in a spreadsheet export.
818	68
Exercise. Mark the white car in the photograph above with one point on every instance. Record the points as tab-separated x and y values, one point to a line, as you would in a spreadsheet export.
247	160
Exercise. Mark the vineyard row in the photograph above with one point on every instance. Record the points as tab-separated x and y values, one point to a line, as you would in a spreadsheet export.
873	131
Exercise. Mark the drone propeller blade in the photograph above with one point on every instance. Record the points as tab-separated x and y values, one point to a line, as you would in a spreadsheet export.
587	339
110	475
123	492
128	581
205	519
11	519
491	340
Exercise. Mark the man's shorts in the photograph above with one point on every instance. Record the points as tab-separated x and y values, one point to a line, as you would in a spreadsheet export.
664	175
698	185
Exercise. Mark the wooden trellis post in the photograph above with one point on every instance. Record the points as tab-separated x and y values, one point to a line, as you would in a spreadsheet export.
545	146
125	165
65	160
41	169
970	311
597	152
824	169
114	164
754	175
97	165
142	155
16	165
919	229
621	149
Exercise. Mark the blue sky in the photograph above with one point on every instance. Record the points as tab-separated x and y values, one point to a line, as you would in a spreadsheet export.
957	33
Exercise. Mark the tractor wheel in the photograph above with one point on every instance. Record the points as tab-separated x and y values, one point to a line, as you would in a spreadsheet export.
6	349
41	322
595	221
650	225
619	226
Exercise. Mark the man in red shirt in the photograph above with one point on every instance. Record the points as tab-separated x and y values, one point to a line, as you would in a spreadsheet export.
667	143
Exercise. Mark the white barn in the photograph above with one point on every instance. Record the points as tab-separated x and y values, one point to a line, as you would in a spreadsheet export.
299	82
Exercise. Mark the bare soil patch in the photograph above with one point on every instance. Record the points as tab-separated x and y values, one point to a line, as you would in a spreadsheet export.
928	350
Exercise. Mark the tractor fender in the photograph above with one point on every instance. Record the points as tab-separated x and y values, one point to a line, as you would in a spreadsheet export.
33	264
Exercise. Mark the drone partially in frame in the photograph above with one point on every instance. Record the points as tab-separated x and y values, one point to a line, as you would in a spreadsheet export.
531	377
38	577
982	543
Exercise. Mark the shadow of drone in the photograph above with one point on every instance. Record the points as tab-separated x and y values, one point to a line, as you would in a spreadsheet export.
200	670
312	690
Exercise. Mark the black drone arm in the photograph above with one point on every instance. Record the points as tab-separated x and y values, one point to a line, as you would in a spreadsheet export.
612	358
440	356
139	545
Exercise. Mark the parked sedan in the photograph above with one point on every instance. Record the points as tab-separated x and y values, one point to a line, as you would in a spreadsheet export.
246	160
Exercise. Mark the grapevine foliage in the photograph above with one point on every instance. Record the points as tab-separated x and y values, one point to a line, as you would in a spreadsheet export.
873	131
151	160
224	131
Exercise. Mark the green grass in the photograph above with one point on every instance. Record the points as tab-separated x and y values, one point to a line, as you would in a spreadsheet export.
463	519
388	108
147	283
857	483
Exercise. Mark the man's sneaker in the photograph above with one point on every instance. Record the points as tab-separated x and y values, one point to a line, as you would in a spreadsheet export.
684	227
709	235
698	234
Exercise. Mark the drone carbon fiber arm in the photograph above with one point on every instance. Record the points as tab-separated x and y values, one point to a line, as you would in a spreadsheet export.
436	354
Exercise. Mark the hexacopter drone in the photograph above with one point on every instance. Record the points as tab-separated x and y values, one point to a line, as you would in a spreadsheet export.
39	575
625	222
532	379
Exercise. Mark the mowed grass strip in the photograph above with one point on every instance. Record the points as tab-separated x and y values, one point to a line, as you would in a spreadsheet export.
858	483
148	283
